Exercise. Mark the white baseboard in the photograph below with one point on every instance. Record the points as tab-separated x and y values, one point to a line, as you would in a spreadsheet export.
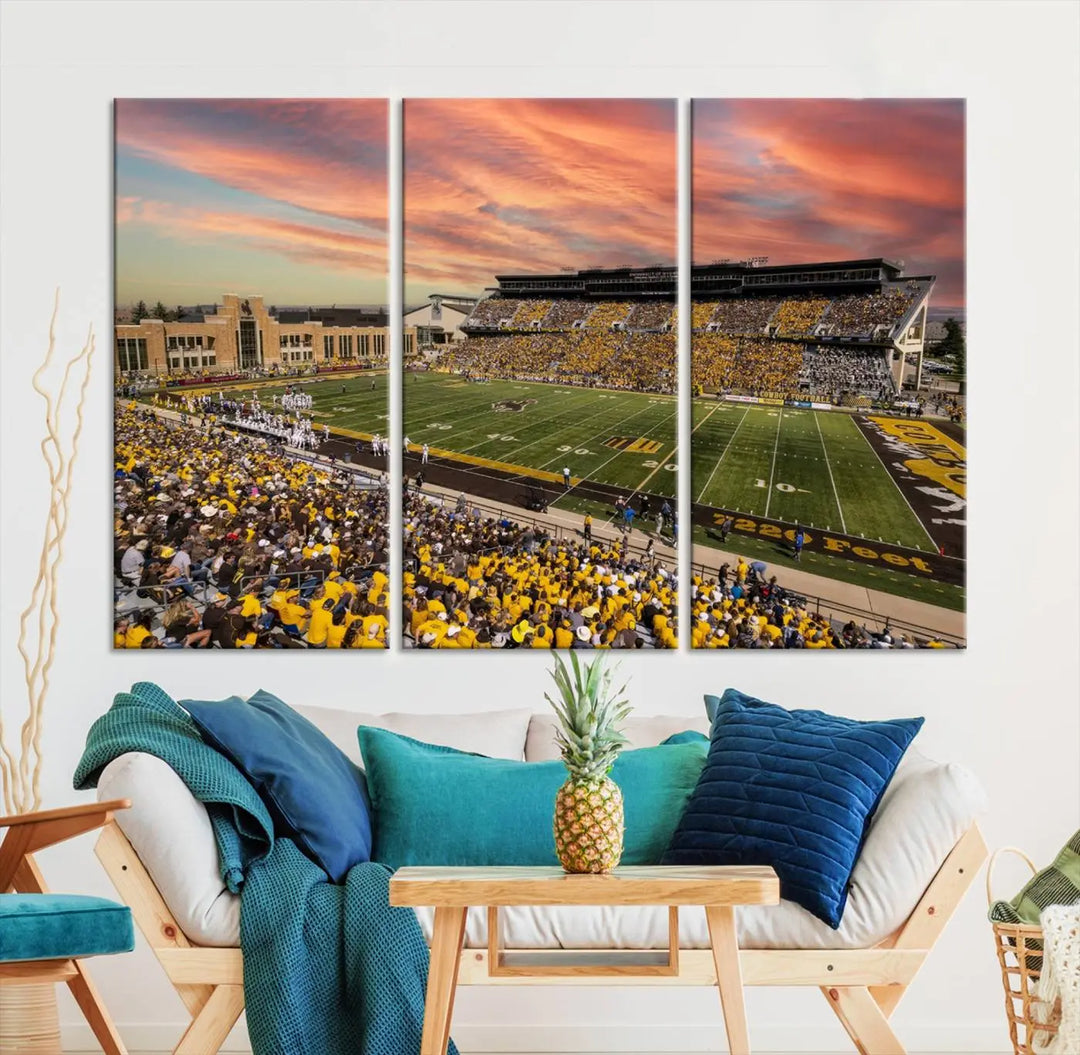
593	1040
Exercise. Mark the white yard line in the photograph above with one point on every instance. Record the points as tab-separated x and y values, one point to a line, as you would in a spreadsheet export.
593	472
617	425
772	468
674	453
555	432
828	465
715	408
885	470
727	447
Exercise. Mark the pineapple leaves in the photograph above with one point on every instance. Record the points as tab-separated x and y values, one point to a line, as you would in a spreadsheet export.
589	716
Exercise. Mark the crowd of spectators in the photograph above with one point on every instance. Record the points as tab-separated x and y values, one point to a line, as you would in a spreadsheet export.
741	608
606	314
475	582
831	373
651	315
852	315
741	315
720	363
700	313
797	316
225	541
640	362
491	312
564	313
860	314
554	316
530	314
789	369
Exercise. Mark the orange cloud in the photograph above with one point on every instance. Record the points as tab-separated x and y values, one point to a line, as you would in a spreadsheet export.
322	155
495	185
307	243
802	180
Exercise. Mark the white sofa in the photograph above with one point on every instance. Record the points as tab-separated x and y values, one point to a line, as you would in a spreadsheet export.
926	810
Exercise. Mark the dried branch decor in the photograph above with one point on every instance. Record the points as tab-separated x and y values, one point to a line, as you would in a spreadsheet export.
20	766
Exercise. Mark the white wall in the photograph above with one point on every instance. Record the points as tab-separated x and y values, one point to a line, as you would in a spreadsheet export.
1007	708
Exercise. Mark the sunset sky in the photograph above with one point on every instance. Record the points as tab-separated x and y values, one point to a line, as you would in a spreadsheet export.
495	185
287	198
805	180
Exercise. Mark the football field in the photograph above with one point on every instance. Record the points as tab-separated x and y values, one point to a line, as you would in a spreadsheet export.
624	439
777	463
352	404
795	464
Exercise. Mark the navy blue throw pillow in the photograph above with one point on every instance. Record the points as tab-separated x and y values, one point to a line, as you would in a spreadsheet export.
315	794
791	789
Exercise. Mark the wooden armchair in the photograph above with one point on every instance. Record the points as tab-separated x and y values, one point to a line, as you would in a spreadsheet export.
44	937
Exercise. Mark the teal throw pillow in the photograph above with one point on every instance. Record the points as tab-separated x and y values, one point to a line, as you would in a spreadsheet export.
436	806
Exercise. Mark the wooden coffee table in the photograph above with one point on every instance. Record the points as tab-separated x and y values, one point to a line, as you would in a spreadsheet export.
452	891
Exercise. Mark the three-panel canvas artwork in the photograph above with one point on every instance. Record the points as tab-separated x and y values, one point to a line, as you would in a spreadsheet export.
548	352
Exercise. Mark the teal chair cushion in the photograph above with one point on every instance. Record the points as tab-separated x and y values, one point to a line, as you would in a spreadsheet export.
62	926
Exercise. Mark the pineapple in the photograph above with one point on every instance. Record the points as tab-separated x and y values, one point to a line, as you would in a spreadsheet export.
588	822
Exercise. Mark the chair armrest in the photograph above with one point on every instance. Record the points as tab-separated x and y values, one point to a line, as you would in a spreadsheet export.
87	809
30	832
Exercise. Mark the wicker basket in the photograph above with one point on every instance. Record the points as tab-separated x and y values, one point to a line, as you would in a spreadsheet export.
1019	952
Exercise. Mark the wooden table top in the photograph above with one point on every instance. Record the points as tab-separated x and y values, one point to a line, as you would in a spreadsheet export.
639	885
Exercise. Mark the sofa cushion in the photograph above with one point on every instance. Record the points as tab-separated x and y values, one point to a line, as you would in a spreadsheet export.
640	731
170	831
925	810
55	926
790	789
315	794
437	806
497	734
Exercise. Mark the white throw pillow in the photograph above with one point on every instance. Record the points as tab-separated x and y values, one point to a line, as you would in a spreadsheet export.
642	731
497	734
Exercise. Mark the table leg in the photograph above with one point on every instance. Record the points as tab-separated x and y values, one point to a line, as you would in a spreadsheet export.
446	942
725	950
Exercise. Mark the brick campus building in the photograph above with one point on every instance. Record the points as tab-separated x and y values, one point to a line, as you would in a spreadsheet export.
241	334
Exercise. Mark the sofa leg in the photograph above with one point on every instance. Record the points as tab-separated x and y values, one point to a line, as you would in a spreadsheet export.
212	1024
887	997
864	1021
97	1017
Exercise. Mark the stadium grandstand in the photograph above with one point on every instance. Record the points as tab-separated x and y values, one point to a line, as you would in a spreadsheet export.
472	581
847	331
226	540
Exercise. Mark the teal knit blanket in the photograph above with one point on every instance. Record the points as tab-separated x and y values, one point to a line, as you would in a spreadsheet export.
329	969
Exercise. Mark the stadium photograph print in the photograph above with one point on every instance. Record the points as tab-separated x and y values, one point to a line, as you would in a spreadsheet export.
539	391
251	349
829	447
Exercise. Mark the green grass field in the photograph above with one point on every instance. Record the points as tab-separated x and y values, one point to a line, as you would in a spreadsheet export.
555	427
796	464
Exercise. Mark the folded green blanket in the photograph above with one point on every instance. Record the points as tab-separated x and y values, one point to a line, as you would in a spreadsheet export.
328	969
1057	884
